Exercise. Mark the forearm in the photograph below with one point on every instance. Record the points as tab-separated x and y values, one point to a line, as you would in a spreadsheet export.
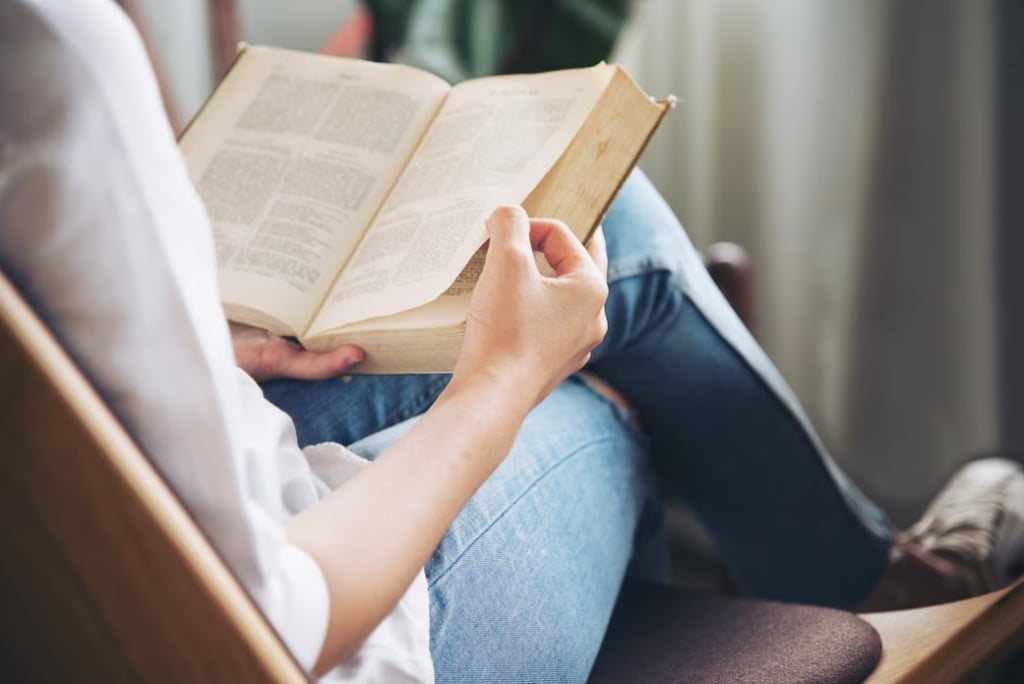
525	332
372	535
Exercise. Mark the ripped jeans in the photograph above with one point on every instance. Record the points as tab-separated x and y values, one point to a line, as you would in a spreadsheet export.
524	582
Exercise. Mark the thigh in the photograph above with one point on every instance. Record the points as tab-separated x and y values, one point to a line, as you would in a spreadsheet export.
523	584
351	407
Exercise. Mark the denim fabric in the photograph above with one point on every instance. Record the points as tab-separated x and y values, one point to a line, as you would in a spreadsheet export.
524	582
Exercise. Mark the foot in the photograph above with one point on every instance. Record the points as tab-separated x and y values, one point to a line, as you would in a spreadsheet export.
970	541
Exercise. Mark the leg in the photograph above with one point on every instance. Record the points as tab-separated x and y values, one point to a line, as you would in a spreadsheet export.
725	429
349	408
523	584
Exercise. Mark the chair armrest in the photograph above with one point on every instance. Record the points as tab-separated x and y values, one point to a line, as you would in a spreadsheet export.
730	268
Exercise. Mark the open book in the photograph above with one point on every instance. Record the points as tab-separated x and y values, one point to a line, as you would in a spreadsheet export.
348	198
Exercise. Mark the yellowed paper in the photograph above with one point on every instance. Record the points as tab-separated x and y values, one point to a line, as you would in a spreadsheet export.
314	145
491	143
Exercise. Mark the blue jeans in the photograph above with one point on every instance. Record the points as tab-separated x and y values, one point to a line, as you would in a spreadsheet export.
524	582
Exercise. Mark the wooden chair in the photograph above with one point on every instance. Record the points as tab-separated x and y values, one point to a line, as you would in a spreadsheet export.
106	577
953	642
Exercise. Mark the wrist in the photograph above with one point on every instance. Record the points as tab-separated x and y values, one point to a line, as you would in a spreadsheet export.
505	389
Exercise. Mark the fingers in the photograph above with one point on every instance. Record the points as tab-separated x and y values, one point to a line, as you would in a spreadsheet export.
535	328
508	228
281	359
306	365
598	250
560	247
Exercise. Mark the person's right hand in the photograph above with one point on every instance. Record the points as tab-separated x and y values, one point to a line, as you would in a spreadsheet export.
524	333
523	329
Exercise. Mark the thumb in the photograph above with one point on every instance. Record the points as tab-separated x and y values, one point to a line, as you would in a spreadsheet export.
509	228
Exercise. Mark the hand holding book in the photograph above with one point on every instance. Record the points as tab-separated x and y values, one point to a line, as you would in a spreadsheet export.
266	356
522	326
348	198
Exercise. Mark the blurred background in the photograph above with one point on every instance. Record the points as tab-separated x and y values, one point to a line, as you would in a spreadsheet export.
864	153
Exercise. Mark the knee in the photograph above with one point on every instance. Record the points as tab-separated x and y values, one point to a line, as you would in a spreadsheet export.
641	222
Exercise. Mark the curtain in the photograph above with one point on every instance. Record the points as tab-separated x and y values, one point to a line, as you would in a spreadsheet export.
849	147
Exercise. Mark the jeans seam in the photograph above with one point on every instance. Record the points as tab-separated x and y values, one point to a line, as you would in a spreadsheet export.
554	466
638	266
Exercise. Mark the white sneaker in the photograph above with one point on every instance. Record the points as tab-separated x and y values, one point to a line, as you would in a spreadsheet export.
970	541
977	521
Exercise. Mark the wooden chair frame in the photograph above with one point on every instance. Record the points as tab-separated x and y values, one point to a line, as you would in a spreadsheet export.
105	576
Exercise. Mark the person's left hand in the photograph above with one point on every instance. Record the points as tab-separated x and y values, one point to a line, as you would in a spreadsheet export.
266	356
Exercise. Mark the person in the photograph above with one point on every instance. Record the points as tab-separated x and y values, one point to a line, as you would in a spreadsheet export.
503	505
719	426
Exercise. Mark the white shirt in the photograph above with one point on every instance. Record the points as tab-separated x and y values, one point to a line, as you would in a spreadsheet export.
102	230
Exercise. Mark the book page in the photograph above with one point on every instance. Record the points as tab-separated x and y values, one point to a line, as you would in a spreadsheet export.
492	142
293	156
